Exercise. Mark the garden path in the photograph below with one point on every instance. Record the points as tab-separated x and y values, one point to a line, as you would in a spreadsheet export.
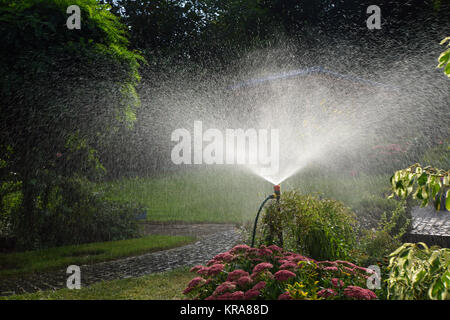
212	240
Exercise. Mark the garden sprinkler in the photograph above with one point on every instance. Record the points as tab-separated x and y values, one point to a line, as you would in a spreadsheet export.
275	195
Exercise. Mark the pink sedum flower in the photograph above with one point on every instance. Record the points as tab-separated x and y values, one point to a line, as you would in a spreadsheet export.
196	281
224	287
196	268
251	294
331	269
284	275
359	293
331	263
288	265
295	257
236	274
265	252
349	270
262	266
240	248
243	281
260	285
275	248
326	293
203	271
211	262
348	264
237	295
215	269
285	296
224	257
337	282
193	284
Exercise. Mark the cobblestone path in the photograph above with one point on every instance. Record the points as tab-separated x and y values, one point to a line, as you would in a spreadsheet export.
199	252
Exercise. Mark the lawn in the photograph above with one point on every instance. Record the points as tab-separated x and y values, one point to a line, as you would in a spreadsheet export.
231	195
159	286
218	195
59	257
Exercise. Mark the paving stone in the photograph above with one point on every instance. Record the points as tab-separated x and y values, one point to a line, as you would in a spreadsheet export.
199	252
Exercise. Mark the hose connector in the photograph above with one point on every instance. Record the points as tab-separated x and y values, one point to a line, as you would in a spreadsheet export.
276	192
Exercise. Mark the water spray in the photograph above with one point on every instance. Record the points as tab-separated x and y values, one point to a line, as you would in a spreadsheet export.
275	195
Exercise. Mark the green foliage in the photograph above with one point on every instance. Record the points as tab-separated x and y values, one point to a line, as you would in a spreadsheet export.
444	57
204	30
419	273
72	213
427	184
10	202
65	94
376	245
370	209
322	229
396	223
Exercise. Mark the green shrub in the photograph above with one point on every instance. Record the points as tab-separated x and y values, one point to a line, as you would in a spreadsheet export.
10	202
73	214
369	210
376	245
62	122
321	229
419	273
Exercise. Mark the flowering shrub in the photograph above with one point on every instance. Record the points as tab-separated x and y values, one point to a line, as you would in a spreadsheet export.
269	272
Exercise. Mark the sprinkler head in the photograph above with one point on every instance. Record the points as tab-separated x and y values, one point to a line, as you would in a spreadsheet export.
276	191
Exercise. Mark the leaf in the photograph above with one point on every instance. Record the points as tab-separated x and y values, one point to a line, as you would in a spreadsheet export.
437	205
424	202
444	57
425	193
445	181
422	180
437	290
445	40
423	244
401	249
418	194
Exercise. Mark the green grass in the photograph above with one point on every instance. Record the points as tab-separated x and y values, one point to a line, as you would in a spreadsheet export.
350	190
59	257
196	196
159	286
230	195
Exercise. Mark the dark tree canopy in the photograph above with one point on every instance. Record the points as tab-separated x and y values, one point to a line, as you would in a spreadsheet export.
198	29
63	93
